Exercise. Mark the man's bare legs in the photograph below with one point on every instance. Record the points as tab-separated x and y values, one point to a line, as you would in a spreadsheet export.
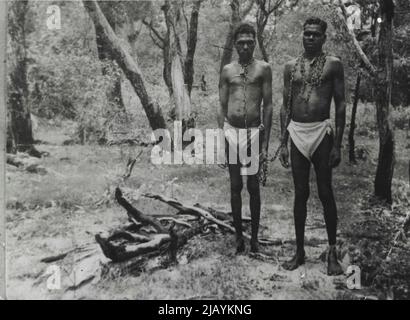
323	171
255	207
236	204
300	171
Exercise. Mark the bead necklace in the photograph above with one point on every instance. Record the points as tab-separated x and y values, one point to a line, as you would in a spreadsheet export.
314	78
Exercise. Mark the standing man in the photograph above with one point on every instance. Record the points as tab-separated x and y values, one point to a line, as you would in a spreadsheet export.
310	83
243	86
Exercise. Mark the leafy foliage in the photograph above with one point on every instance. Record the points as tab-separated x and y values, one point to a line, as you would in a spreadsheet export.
65	78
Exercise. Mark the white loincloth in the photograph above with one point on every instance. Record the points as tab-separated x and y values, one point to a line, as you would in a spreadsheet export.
241	140
308	136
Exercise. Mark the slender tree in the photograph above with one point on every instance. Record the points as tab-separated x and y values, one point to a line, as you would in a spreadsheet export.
383	84
20	136
381	77
352	155
127	64
170	41
114	95
119	15
178	69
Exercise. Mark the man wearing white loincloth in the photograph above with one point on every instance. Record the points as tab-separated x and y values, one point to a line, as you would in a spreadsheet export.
243	86
310	83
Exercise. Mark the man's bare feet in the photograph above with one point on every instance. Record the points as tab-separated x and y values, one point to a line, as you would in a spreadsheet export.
297	260
333	266
240	246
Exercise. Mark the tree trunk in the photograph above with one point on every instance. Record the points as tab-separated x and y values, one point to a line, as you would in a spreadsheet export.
261	24
191	45
352	156
127	64
382	79
181	97
114	94
385	166
20	125
166	51
229	41
11	141
180	92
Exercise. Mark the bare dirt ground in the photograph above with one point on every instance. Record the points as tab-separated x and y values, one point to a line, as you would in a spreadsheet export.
51	213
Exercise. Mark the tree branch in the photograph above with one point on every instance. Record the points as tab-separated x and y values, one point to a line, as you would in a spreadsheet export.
136	214
185	17
359	51
155	31
275	7
158	44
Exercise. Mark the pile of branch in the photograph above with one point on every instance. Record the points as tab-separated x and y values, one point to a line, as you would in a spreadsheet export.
165	234
148	242
218	218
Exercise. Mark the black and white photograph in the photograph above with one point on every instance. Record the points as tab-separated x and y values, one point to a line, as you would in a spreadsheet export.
212	150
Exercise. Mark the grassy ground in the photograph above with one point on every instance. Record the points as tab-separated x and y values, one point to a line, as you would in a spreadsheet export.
52	213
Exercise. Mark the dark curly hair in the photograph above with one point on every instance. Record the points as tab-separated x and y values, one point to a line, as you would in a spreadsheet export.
244	27
316	21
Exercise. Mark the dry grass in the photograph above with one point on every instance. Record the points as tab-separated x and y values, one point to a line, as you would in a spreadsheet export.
49	214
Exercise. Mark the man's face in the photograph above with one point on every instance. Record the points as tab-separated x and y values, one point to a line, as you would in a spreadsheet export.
313	38
245	45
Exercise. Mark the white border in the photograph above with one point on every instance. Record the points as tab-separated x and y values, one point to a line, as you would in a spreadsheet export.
3	82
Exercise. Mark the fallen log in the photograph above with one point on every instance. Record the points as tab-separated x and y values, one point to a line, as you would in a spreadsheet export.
157	245
221	215
128	251
134	255
128	236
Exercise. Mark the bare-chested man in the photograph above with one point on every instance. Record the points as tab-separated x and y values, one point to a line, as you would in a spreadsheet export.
310	83
243	86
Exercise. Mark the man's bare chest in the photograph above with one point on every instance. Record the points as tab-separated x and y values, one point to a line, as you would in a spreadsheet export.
241	77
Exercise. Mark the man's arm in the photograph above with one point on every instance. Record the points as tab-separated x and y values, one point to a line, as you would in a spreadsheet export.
283	111
267	106
340	103
223	98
